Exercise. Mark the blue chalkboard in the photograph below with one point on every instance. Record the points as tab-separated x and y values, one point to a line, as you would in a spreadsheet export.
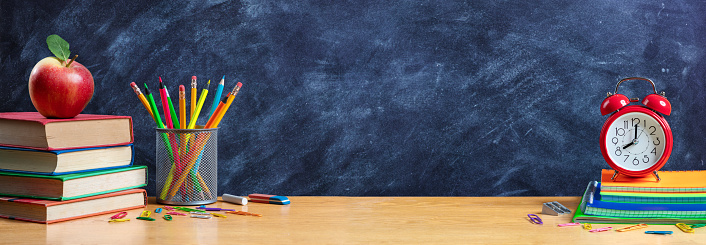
369	98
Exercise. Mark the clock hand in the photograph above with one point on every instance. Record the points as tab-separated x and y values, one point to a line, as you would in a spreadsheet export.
629	144
635	132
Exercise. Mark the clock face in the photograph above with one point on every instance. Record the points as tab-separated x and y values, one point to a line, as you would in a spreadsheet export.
635	141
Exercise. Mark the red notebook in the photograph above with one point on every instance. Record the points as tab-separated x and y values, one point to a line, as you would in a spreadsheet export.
47	211
33	131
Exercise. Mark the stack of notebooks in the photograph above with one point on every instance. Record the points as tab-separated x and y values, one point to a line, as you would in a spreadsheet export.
54	170
679	197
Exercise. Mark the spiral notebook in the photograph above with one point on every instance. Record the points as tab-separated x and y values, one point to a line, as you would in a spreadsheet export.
671	182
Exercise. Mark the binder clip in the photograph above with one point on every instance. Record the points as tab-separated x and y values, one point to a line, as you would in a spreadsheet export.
554	208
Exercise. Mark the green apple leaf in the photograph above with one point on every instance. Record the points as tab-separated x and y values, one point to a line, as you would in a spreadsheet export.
59	47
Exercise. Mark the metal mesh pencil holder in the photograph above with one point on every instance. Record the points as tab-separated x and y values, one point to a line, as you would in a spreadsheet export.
187	164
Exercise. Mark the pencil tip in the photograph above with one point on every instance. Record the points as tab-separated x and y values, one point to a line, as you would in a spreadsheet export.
224	77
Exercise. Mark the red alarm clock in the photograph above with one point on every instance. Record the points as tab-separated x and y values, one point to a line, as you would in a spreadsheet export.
636	139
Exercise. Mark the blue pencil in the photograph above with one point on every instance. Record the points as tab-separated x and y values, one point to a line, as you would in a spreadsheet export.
216	99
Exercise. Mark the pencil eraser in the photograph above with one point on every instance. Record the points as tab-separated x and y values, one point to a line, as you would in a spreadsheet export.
271	199
182	88
240	85
235	199
193	77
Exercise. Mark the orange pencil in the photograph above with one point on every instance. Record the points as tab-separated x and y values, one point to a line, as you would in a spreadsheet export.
142	99
182	106
193	96
218	110
231	97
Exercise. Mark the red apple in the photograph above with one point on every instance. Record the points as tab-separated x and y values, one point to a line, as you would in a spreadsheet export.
58	91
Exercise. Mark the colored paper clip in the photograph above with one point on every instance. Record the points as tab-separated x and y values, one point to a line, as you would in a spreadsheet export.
568	224
119	215
146	213
145	218
535	219
199	213
587	226
243	213
167	217
659	232
176	213
189	209
632	228
697	225
554	208
158	210
117	220
218	215
201	216
685	228
168	208
601	229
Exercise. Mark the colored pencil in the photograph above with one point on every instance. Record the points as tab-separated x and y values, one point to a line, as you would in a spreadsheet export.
219	92
235	91
213	117
172	109
182	107
202	98
193	96
165	105
142	99
157	117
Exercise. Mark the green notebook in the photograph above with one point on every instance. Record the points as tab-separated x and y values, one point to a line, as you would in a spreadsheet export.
72	186
590	194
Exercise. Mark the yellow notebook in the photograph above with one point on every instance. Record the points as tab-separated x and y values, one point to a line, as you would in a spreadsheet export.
671	181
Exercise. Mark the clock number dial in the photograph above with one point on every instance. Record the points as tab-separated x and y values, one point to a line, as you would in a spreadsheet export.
636	139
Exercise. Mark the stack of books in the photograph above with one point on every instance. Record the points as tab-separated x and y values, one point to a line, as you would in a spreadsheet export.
678	197
54	170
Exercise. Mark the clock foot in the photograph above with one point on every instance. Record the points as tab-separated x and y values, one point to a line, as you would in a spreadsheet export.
656	175
615	174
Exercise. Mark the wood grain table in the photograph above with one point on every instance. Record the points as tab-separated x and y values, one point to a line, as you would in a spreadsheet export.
348	220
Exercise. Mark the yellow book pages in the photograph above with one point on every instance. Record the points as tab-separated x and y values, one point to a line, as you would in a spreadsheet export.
671	181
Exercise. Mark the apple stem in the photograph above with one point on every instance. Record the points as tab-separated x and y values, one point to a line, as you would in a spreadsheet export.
72	61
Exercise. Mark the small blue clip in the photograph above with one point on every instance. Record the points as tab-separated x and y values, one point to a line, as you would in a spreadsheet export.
659	232
535	219
158	210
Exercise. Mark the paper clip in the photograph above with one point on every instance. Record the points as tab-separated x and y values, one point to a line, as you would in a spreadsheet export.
145	218
697	225
535	219
243	213
201	216
587	226
146	213
218	215
189	209
659	232
568	224
685	228
119	215
601	229
200	213
158	210
176	213
632	228
169	208
167	217
118	220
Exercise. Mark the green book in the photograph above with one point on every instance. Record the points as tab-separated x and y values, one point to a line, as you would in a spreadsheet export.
626	216
72	186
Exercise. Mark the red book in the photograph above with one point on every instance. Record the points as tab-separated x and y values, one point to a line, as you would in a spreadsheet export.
33	131
47	211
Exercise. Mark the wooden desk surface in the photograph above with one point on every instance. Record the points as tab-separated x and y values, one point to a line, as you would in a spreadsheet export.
346	220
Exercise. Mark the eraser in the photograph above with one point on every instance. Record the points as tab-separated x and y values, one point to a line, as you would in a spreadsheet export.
235	199
193	77
271	199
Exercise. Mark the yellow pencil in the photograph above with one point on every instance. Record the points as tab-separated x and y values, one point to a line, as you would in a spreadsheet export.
142	99
202	98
